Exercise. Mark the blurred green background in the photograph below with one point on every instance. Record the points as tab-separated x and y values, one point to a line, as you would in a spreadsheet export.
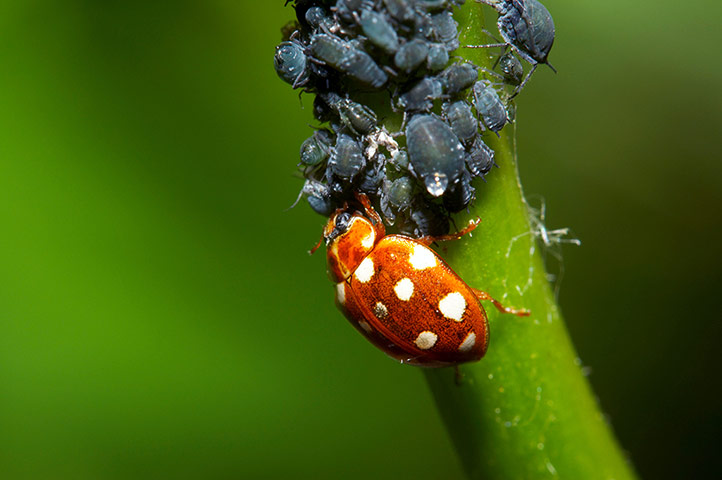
159	314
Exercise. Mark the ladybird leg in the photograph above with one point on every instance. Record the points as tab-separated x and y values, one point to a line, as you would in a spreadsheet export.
514	311
458	376
371	214
428	240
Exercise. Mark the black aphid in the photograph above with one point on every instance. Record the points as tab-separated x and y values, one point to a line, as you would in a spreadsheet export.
527	27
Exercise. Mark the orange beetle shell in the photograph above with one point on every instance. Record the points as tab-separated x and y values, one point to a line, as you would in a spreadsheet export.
410	304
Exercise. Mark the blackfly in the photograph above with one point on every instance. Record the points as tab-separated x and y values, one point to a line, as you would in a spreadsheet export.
346	52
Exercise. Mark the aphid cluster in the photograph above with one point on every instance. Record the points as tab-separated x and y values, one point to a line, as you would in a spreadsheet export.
353	53
396	53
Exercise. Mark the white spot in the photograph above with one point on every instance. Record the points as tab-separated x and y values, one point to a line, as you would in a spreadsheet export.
368	242
421	258
380	310
404	289
341	293
452	306
365	270
365	326
426	340
468	343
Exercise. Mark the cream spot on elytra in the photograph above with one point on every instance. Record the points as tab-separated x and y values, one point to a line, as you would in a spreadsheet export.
468	343
426	340
404	289
365	270
452	306
422	258
368	241
341	293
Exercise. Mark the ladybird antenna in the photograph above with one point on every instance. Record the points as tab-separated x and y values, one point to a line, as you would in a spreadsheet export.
317	246
551	66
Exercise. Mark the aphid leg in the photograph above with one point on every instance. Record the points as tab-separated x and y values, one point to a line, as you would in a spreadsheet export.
428	240
490	45
390	71
297	83
490	35
514	311
517	90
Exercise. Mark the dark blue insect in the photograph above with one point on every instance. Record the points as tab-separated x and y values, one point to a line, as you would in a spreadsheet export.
437	58
511	70
379	31
396	196
411	55
459	195
345	9
318	196
421	96
401	10
319	19
462	120
444	30
291	63
316	148
347	158
426	219
458	77
528	28
358	118
479	158
400	161
347	57
435	153
488	104
373	176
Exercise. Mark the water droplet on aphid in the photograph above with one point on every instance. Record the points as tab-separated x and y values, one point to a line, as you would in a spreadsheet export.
436	183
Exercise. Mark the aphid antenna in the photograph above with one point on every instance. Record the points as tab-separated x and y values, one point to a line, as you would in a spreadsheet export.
401	132
490	35
298	199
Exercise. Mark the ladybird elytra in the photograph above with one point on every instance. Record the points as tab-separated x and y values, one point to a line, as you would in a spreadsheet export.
401	295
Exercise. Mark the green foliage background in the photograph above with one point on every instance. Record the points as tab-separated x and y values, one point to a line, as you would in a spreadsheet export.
159	315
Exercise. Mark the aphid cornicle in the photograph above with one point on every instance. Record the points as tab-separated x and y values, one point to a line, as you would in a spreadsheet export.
401	295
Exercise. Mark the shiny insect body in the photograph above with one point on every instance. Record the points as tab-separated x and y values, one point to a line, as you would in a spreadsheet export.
528	28
400	295
435	153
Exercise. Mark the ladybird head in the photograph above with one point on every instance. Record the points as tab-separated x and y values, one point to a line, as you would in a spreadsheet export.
349	238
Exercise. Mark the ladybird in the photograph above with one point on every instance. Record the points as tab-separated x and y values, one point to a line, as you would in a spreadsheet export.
400	295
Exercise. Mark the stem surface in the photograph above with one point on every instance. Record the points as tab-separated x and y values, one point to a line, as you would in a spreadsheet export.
525	410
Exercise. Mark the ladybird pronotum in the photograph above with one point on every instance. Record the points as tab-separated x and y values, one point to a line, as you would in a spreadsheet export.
401	295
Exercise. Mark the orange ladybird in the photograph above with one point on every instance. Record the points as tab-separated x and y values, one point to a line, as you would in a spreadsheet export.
401	295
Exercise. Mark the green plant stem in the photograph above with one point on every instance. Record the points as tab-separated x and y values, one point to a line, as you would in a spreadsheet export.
525	410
